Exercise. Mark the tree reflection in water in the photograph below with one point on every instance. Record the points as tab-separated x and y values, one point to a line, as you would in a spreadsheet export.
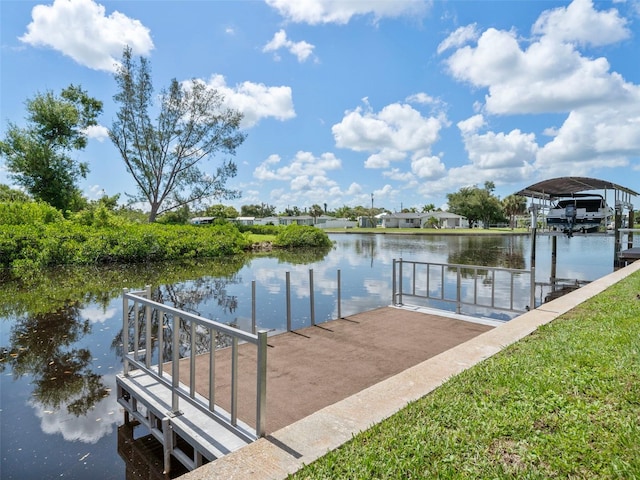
186	297
42	347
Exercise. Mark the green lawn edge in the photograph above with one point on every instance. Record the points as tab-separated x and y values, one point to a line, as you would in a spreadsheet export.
563	402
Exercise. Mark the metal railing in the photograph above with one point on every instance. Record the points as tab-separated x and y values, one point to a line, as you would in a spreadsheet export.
458	284
148	321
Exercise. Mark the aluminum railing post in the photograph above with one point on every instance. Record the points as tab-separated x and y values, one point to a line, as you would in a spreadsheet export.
253	306
125	332
212	369
192	360
288	299
400	281
393	282
458	290
234	381
175	365
312	308
339	296
147	334
261	400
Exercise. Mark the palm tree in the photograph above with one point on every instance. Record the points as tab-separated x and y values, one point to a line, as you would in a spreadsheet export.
514	205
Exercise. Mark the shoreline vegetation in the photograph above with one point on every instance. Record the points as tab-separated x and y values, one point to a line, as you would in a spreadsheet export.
563	402
35	236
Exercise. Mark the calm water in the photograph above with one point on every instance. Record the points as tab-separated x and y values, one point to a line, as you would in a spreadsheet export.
60	344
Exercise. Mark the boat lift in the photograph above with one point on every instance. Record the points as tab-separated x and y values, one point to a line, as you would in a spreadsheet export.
542	193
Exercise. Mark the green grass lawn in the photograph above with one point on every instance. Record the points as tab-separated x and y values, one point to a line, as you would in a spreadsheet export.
561	403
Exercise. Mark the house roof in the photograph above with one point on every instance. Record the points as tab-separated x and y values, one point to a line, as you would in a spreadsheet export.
563	186
436	214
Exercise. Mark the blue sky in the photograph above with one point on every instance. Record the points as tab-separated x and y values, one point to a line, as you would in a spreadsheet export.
407	100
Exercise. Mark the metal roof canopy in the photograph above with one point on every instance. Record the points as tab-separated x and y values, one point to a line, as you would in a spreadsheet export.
566	186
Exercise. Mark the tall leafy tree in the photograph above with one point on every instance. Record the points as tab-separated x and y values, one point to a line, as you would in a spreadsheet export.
38	156
221	211
254	210
165	156
476	204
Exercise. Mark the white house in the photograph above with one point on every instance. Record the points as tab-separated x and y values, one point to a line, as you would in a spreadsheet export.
423	220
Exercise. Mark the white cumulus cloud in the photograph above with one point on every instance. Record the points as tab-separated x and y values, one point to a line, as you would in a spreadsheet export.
81	30
316	12
256	100
302	50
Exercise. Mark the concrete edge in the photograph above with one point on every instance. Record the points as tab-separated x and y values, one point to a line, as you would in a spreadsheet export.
287	450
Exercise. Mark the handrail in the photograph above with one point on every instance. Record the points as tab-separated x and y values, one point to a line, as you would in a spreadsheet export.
424	290
191	323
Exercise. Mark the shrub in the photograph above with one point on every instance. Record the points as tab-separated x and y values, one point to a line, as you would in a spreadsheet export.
302	236
28	213
24	248
261	229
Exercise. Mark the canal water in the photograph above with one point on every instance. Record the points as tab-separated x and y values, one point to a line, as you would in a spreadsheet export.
60	337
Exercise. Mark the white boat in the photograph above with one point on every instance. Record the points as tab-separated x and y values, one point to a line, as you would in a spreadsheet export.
579	213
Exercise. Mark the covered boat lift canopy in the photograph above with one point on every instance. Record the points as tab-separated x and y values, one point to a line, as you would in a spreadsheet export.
548	190
567	186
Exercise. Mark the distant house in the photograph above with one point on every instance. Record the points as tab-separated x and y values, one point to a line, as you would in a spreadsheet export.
245	220
423	220
338	223
202	220
305	220
267	221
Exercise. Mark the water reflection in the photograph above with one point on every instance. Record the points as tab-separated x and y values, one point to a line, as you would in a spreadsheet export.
490	251
42	346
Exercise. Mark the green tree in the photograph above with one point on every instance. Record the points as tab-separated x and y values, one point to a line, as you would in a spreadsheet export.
476	204
8	194
429	207
257	210
315	211
514	205
221	211
345	212
164	158
38	156
292	212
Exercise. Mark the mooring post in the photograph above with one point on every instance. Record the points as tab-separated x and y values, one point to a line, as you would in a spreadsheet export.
617	224
534	229
554	259
630	223
532	300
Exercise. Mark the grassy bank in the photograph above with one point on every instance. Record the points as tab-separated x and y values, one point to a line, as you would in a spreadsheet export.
562	403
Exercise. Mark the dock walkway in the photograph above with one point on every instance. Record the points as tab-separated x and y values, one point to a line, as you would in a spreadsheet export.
317	366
